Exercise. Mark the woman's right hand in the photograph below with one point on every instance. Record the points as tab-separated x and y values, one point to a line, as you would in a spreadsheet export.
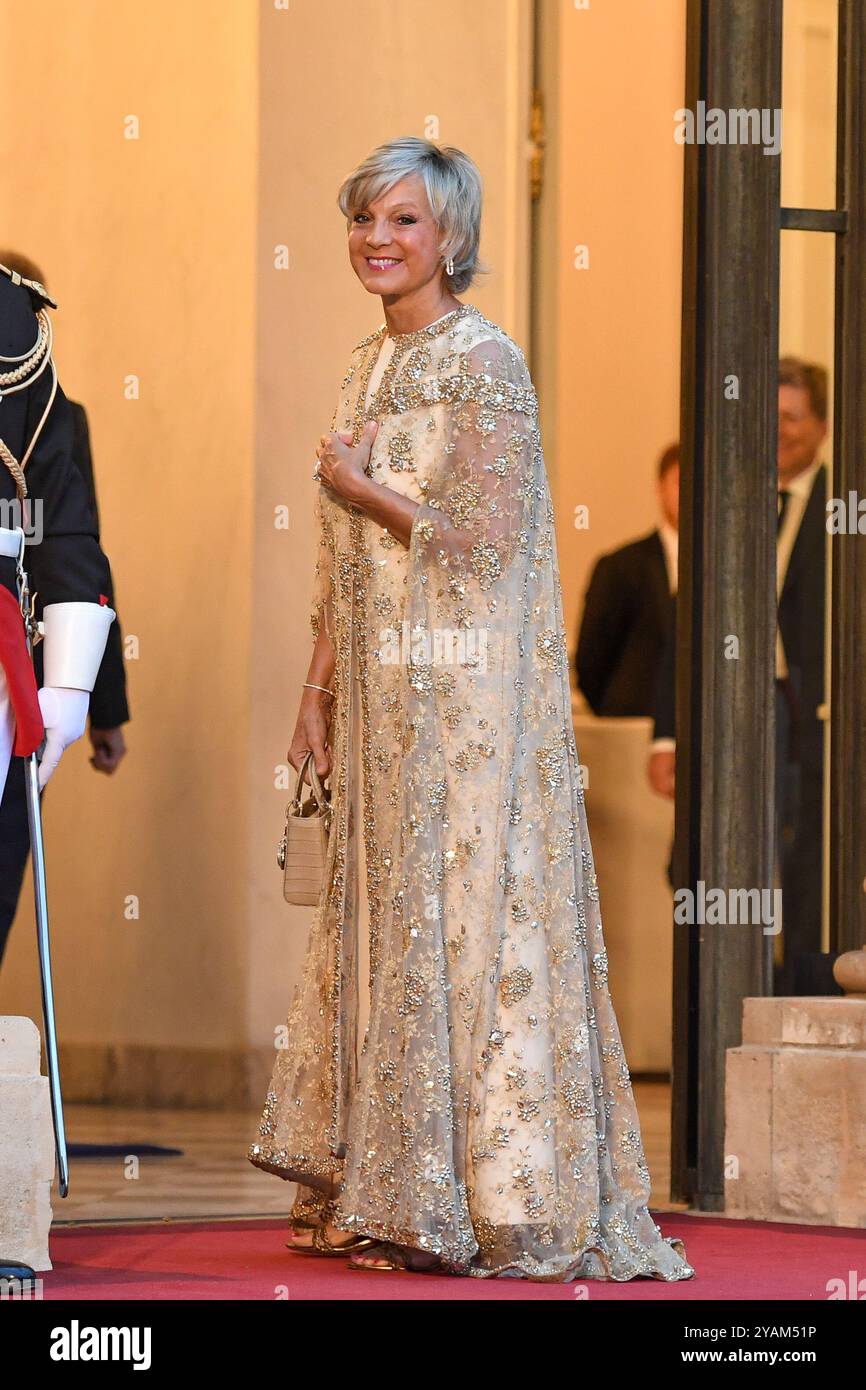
311	732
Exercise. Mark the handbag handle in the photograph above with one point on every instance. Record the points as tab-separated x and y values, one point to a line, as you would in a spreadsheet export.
317	788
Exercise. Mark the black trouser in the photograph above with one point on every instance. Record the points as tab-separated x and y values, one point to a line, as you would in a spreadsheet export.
799	844
14	846
800	834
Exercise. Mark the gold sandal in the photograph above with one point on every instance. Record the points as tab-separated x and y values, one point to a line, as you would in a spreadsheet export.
322	1244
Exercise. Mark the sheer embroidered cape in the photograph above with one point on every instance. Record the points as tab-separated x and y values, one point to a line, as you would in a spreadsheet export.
489	1115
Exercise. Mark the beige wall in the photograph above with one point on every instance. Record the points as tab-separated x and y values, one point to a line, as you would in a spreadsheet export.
609	336
808	171
148	246
607	362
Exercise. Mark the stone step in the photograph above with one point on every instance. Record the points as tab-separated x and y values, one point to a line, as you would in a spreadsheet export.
26	1146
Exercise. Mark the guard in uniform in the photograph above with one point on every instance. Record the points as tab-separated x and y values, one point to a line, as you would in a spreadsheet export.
43	501
41	491
109	708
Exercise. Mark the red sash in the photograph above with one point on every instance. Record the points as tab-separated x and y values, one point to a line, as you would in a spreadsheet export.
20	677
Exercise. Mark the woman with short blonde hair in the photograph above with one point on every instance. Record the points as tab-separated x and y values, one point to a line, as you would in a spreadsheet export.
454	1092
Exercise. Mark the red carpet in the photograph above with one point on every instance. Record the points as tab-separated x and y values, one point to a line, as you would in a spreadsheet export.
247	1259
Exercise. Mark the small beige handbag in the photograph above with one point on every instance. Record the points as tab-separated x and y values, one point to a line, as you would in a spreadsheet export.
304	846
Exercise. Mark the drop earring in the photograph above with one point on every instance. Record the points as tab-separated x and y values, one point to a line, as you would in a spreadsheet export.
449	266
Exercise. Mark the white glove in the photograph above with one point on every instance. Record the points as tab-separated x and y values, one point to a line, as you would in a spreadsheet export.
75	638
64	714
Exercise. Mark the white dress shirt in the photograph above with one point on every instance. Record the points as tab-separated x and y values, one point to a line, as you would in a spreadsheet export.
670	539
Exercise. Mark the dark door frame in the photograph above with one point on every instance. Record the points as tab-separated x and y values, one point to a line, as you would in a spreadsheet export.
726	617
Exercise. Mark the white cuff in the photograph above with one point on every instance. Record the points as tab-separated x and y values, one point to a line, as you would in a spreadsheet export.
75	638
663	745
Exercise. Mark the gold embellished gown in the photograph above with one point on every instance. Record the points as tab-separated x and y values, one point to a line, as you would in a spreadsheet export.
454	1078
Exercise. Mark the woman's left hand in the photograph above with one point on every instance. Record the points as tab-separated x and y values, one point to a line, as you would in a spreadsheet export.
341	467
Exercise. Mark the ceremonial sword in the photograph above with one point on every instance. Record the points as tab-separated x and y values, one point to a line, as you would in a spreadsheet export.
40	893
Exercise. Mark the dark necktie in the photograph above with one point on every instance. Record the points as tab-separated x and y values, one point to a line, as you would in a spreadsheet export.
784	499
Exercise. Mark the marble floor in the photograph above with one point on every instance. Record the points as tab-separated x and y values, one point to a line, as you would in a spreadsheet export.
213	1178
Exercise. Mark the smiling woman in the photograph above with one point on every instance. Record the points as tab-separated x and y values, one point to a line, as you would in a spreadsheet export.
408	223
455	1088
393	237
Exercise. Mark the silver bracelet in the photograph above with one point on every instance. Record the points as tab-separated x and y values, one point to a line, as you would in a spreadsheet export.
312	686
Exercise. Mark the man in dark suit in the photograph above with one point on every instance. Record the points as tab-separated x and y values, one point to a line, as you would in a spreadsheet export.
626	610
108	704
800	582
801	544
